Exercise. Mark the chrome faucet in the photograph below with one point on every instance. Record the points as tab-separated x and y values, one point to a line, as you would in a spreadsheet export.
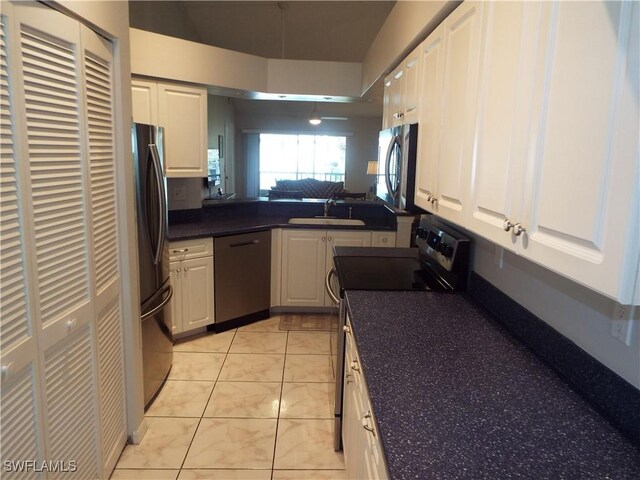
330	201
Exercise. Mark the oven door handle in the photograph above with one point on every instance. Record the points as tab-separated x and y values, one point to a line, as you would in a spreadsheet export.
327	285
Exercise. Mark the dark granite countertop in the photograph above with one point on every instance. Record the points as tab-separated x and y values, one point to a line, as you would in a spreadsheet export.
232	217
456	396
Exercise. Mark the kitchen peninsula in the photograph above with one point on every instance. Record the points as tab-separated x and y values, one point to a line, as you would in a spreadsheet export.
235	216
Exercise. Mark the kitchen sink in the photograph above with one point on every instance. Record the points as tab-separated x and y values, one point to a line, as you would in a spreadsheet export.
325	221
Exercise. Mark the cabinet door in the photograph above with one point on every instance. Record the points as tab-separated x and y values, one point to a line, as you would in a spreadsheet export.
197	293
182	111
144	101
303	267
411	85
581	214
175	312
387	114
98	72
510	31
459	96
396	91
430	118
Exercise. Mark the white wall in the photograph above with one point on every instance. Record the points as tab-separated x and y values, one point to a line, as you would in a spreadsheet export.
578	313
408	23
172	58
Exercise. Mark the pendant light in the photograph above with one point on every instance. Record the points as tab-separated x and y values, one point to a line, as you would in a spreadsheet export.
315	119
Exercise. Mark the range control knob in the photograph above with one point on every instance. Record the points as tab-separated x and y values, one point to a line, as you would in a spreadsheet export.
448	251
422	233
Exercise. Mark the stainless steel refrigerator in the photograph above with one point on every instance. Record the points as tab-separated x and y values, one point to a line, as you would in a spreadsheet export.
153	257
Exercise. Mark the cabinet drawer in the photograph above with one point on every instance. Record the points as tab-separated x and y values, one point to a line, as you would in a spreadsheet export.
185	249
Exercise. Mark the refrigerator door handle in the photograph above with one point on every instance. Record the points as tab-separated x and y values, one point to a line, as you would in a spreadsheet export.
162	202
164	302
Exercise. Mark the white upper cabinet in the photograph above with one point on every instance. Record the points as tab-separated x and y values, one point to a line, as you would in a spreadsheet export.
182	111
510	35
400	103
581	197
448	96
411	69
430	118
144	101
393	107
557	151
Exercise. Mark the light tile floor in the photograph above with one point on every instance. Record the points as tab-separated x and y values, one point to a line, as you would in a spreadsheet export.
254	403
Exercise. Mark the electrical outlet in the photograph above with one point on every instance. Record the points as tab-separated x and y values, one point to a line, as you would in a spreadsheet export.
621	323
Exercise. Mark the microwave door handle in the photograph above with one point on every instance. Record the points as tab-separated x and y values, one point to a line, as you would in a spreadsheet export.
387	166
327	286
162	203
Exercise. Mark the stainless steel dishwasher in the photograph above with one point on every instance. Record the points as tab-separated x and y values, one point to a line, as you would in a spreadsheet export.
242	280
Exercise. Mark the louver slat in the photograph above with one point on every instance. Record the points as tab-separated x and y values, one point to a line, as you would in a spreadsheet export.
14	323
111	377
51	90
19	429
101	155
70	394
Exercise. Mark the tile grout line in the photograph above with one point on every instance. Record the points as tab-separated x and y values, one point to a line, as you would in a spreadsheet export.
275	440
206	405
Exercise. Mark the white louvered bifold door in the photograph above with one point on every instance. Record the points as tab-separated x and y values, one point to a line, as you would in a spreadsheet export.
99	118
20	430
50	61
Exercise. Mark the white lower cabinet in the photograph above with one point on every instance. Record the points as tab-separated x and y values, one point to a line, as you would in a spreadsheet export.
192	281
306	259
362	449
383	239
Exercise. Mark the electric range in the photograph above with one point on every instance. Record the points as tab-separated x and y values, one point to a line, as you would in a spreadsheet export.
439	263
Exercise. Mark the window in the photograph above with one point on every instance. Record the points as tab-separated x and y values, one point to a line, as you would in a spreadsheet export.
294	157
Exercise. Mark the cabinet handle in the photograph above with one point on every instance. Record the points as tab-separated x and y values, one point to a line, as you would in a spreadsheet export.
384	239
365	423
328	239
398	115
346	329
7	370
518	229
506	225
323	239
354	366
433	200
71	324
348	378
186	269
178	270
180	250
429	197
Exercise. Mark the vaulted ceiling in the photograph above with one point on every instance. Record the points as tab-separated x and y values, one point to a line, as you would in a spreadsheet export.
299	30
